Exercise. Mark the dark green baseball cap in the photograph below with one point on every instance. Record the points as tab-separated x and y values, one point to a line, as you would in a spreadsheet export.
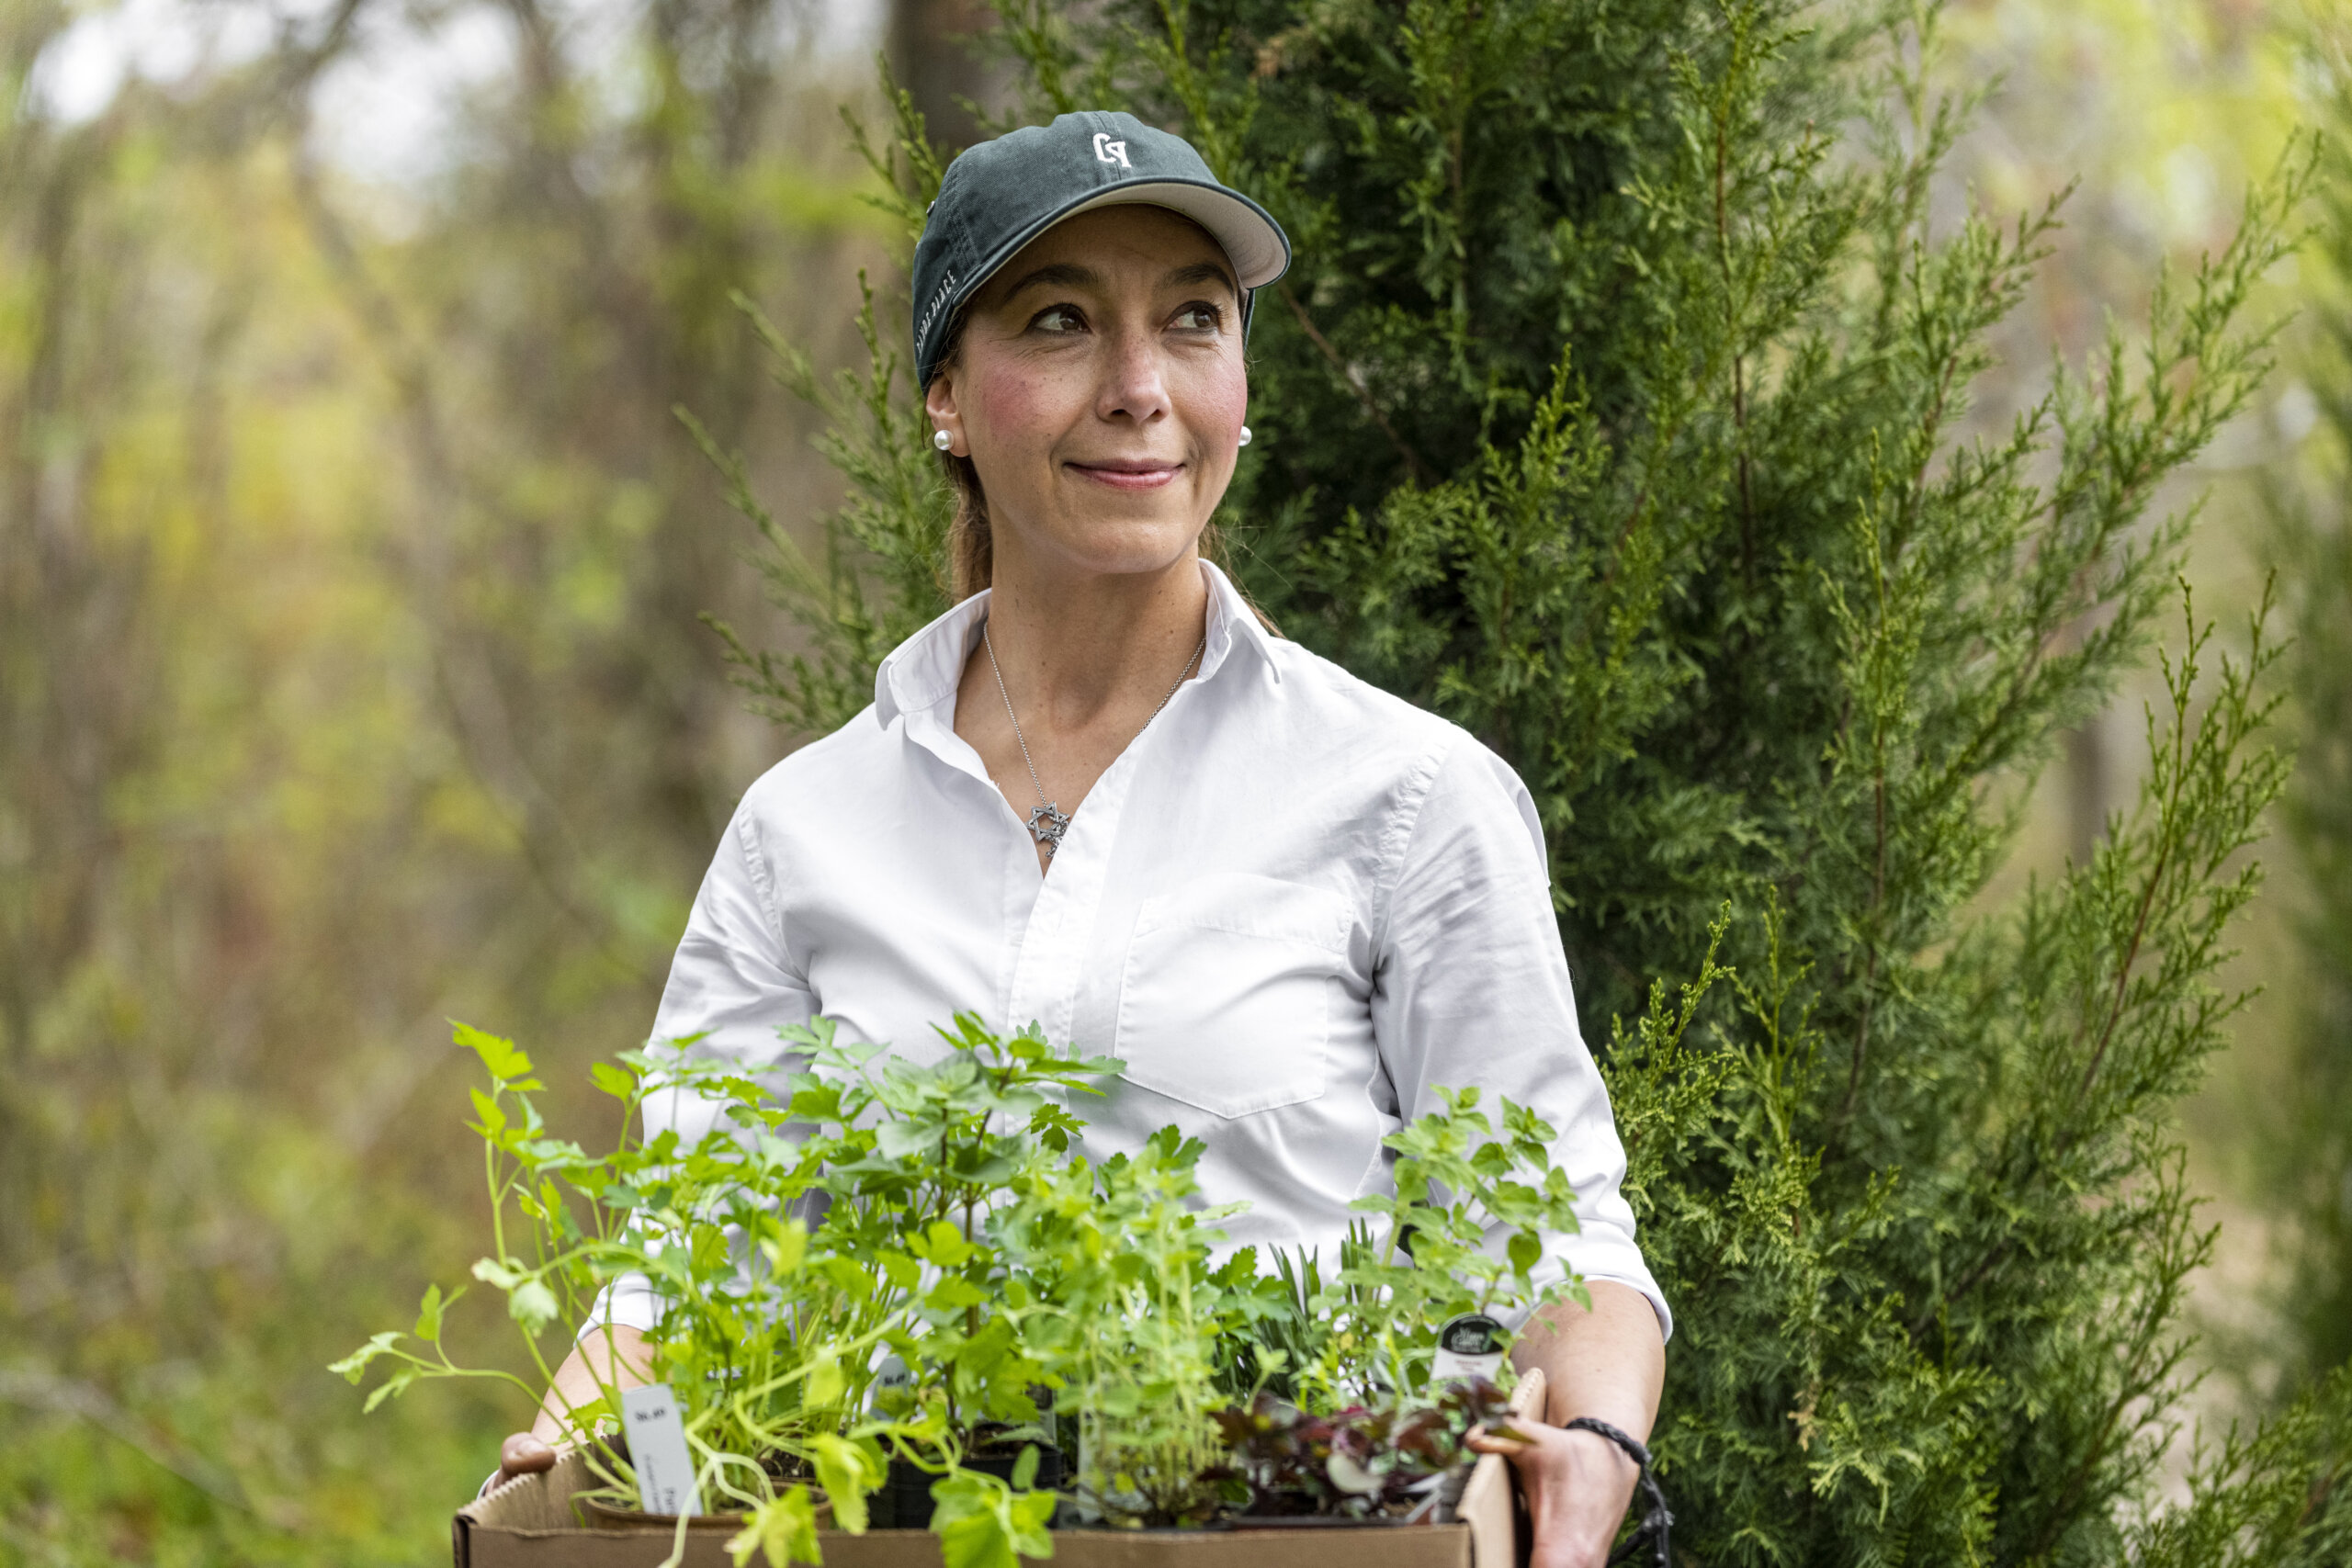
1000	194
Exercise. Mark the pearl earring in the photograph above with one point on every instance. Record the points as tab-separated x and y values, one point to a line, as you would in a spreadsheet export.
941	440
1245	436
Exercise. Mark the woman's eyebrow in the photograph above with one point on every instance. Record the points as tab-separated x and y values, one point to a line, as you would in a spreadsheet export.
1069	274
1057	274
1202	272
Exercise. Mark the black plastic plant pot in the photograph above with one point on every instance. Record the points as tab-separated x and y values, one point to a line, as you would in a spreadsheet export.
904	1502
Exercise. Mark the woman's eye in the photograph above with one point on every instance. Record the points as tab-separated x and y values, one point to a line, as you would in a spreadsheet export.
1199	317
1058	319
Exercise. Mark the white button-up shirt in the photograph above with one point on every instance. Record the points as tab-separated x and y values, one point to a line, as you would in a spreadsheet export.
1293	907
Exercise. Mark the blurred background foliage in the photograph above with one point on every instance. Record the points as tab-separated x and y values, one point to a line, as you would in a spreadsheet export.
351	676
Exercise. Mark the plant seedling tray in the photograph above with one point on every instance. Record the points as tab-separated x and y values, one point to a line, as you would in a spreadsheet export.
530	1523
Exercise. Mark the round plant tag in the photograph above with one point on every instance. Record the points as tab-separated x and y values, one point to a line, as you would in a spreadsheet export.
1470	1346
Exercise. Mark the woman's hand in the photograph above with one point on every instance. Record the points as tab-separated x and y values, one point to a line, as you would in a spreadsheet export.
621	1359
1606	1363
1578	1484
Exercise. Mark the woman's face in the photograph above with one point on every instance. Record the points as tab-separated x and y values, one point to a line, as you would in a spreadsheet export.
1100	393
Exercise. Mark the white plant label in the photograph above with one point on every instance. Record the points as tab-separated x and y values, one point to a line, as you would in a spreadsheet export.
657	1447
891	1377
1470	1346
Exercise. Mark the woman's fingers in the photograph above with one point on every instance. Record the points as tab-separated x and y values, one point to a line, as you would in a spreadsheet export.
522	1454
1506	1442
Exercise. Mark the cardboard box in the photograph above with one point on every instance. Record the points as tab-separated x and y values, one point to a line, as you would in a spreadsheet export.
529	1523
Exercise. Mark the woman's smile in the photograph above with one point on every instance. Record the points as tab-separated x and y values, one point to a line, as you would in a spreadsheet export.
1127	473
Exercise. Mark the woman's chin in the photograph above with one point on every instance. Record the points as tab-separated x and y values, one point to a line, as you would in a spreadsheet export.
1102	542
1127	552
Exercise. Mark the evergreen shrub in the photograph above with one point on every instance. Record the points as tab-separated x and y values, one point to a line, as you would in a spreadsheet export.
1615	408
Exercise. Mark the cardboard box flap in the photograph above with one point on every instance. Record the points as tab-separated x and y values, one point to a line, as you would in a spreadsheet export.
529	1523
534	1502
1489	1504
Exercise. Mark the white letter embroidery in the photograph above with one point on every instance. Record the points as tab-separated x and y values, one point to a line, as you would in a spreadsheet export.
1109	151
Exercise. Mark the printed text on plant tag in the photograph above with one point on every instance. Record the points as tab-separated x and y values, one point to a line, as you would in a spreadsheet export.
657	1447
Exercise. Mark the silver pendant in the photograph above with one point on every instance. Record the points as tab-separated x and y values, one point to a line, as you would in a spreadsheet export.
1046	825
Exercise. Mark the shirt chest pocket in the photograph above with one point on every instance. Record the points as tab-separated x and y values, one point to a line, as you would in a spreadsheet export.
1226	997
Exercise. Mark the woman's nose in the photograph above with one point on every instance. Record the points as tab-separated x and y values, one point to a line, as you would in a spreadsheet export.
1133	382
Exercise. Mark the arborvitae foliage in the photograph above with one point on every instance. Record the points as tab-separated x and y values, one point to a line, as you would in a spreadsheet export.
2312	1156
1613	408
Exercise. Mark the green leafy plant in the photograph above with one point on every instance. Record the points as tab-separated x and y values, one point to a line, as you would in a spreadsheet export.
766	1358
1461	1181
771	1331
1115	1293
956	1231
914	1160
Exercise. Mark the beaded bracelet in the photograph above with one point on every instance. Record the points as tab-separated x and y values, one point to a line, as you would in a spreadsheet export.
1656	1518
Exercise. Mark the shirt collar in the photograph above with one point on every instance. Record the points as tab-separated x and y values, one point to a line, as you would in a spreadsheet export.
923	671
1233	624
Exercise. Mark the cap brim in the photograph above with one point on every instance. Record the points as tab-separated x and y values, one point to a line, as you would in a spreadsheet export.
1252	240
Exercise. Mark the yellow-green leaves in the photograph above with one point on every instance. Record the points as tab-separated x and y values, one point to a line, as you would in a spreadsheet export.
493	1120
847	1470
532	1304
428	1314
773	1325
954	1294
353	1366
502	1059
943	1244
529	1300
783	1529
983	1523
821	1385
785	1247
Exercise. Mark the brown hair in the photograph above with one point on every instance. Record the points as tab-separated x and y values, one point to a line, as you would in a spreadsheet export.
971	550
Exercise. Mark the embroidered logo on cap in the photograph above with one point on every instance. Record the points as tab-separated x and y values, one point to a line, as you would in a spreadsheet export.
1109	151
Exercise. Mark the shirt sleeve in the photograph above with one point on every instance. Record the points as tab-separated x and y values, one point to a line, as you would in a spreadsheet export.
1474	992
735	983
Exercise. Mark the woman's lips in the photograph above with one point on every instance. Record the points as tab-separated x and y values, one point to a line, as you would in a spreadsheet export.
1120	475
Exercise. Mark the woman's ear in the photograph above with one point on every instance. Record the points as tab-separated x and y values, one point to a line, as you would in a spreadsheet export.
939	401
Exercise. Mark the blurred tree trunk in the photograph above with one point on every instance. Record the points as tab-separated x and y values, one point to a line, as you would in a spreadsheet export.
76	665
932	54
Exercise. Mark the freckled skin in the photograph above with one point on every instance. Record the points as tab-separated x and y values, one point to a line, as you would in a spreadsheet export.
1103	403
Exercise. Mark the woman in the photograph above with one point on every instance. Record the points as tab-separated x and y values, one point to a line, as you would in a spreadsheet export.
1099	794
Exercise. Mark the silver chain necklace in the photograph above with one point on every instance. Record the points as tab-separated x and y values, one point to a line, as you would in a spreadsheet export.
1049	821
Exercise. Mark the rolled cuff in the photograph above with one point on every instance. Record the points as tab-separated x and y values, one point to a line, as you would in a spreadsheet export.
1600	1251
1605	1250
